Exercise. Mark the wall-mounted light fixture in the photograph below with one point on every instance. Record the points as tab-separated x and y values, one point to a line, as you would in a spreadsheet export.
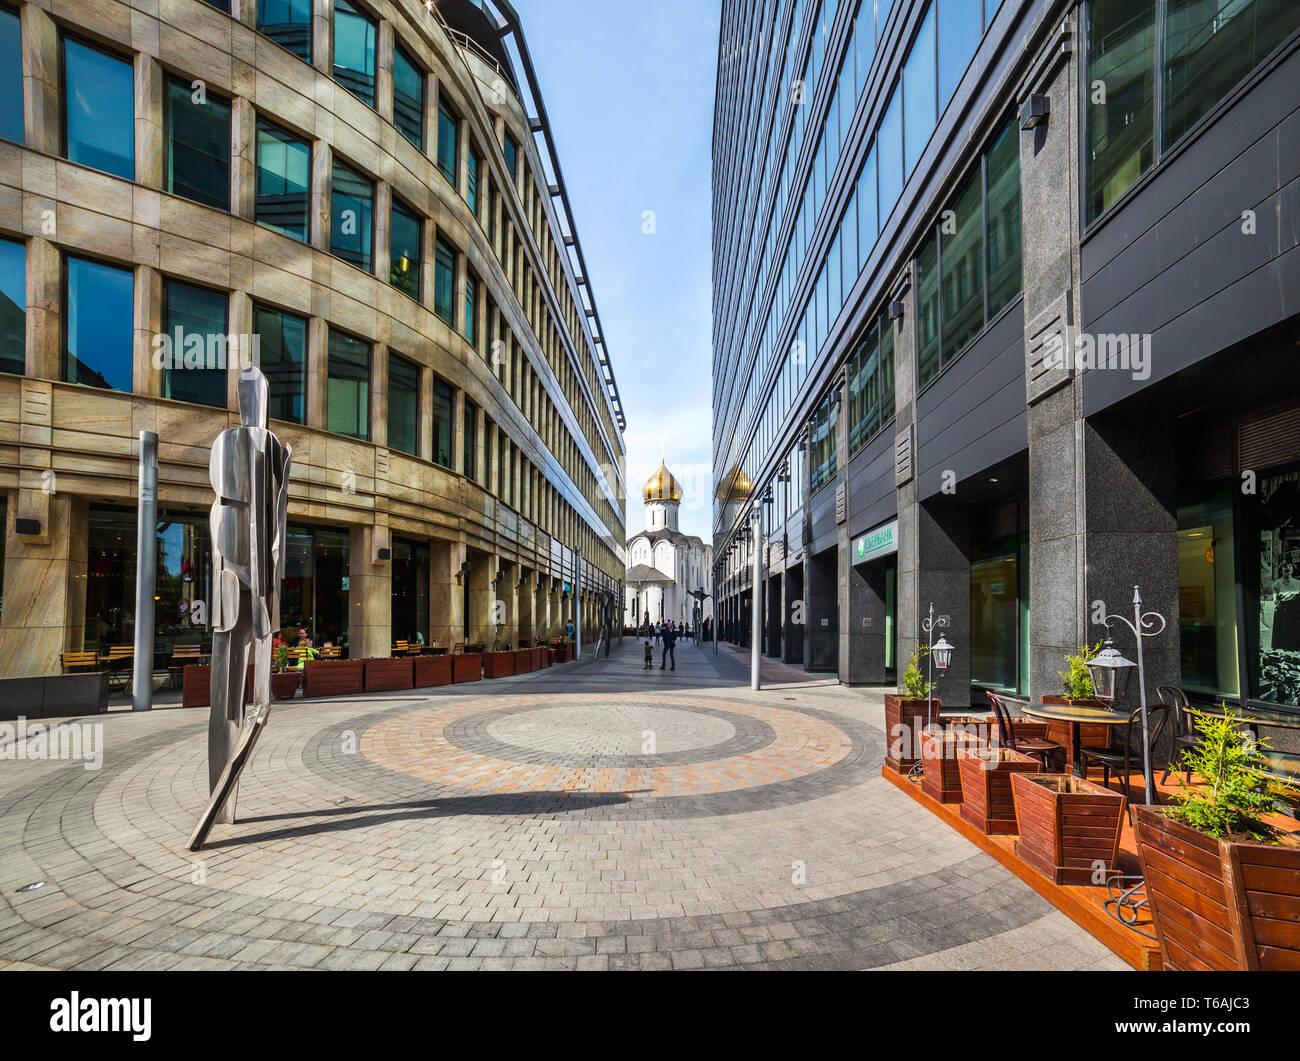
896	309
1034	110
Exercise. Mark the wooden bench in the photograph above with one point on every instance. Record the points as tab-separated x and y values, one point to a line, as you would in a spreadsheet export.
79	662
182	656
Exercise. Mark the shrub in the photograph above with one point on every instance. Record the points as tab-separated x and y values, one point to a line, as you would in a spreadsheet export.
1076	682
913	679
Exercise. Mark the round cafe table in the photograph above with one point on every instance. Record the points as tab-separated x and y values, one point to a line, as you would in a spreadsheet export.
1076	714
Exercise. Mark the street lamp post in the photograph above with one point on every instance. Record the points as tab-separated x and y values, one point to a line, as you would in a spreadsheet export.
1109	671
937	655
756	619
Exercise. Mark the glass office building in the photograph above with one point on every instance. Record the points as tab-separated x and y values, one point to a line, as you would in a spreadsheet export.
1000	326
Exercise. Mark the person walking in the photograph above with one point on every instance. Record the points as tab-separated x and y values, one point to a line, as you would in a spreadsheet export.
568	629
670	642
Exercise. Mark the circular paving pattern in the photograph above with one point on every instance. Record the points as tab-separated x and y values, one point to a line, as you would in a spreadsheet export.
542	823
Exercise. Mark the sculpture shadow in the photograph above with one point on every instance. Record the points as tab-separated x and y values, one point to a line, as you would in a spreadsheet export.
344	817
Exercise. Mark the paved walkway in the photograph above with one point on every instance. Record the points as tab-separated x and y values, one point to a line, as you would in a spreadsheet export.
593	816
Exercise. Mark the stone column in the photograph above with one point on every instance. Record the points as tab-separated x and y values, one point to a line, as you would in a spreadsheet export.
424	420
379	394
458	431
44	582
42	116
322	18
322	181
384	71
527	604
943	536
243	160
481	595
383	236
446	599
481	447
44	306
148	377
370	594
317	371
149	89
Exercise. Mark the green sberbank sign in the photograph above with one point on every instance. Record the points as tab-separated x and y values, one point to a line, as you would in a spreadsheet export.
877	543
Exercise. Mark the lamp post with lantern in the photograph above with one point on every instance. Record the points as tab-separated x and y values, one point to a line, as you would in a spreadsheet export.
938	654
1110	676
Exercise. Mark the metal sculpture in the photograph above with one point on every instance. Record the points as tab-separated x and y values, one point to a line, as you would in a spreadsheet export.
250	476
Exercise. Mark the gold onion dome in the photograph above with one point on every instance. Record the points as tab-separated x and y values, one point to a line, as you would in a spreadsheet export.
735	487
662	486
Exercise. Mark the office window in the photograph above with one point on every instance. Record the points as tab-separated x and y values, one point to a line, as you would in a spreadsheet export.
283	181
864	42
511	152
822	444
405	241
889	154
11	77
471	189
194	321
283	343
403	404
1121	61
448	141
1207	51
471	439
472	310
867	207
927	312
444	282
348	396
961	263
354	50
98	109
960	30
98	303
13	306
444	404
834	279
198	146
849	232
408	97
352	217
864	390
288	23
1002	164
918	94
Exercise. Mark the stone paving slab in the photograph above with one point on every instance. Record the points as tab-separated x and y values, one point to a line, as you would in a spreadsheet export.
591	816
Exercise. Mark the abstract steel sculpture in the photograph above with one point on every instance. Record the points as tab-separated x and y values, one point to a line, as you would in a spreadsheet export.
250	476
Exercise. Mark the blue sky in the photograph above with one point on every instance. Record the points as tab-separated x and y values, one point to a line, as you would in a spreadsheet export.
628	86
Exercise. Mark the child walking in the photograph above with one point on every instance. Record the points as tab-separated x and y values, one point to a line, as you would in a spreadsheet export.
649	656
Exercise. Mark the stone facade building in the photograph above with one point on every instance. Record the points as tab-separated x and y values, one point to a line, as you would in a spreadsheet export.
362	195
1007	324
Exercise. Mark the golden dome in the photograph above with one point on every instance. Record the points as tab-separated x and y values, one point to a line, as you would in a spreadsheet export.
735	487
662	486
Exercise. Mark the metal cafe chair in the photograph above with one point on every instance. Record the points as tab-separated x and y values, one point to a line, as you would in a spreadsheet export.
1038	746
1128	755
1185	735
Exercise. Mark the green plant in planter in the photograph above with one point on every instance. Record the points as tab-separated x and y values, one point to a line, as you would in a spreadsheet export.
1234	795
281	657
913	678
1076	682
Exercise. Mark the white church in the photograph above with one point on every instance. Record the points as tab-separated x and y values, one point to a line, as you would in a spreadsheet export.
664	565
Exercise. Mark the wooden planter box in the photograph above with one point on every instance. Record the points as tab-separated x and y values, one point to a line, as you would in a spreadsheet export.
333	677
431	671
467	667
498	664
523	660
903	744
284	685
541	658
1091	734
1069	827
986	800
196	685
1218	904
384	675
941	779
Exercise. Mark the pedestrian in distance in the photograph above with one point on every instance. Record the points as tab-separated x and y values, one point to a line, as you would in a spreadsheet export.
670	642
649	656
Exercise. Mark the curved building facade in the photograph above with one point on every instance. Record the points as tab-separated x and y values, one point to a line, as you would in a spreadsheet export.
1006	322
354	195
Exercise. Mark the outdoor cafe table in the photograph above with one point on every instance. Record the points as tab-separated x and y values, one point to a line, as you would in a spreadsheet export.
1076	714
